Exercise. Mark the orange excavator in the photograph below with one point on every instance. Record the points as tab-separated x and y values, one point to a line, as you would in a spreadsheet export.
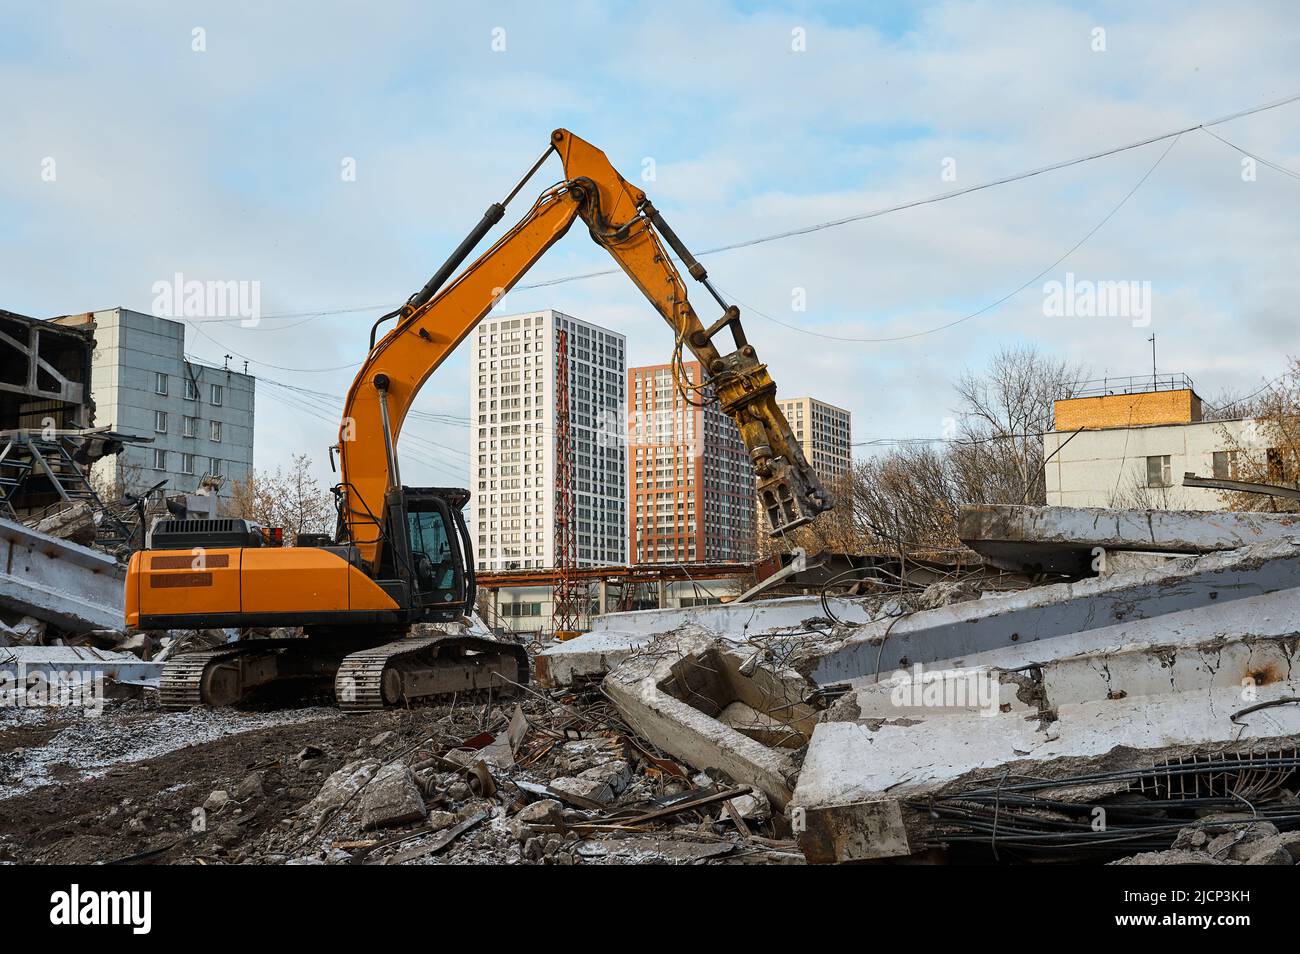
402	555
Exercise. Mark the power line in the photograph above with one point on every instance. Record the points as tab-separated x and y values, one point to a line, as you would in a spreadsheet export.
962	441
407	434
1248	397
406	452
437	417
309	315
1272	165
875	213
989	307
943	196
267	364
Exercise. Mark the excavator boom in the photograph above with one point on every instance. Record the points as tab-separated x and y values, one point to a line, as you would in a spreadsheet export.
622	220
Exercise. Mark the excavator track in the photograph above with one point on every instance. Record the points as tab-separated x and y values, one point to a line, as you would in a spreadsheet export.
194	678
181	684
425	668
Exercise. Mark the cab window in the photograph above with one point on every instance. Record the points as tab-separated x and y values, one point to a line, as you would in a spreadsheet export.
433	558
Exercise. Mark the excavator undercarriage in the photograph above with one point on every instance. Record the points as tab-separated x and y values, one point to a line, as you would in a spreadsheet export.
397	673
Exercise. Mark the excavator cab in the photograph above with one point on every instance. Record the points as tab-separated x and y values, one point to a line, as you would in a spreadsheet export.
429	551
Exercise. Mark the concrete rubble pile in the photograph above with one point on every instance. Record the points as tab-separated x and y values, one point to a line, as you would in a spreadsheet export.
1130	699
547	780
59	589
1147	711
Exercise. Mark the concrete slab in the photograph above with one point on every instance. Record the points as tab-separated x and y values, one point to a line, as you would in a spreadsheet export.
1271	614
616	636
64	583
738	621
643	687
1138	697
589	656
117	667
1063	539
1011	620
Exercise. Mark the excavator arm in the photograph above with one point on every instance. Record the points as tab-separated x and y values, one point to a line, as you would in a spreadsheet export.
621	219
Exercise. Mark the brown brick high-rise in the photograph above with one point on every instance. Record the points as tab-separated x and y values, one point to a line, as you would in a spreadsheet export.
690	484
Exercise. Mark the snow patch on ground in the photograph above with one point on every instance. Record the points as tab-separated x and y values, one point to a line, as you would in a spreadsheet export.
90	745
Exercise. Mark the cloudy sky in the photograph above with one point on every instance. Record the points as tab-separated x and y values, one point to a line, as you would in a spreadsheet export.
129	156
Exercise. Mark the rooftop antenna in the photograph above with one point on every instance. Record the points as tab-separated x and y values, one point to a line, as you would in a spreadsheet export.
228	357
1155	382
245	365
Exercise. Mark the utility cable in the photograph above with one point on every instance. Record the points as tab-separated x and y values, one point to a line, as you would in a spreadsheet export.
989	307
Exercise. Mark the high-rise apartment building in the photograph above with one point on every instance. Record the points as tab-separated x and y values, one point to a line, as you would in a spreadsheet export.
690	483
825	433
512	443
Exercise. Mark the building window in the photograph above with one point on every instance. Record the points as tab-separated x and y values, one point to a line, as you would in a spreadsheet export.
1158	471
215	470
159	383
1225	464
160	422
190	426
214	430
187	463
216	394
516	610
159	459
191	390
1275	461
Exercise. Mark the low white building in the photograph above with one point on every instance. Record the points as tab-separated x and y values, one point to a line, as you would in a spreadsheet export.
1131	446
1141	466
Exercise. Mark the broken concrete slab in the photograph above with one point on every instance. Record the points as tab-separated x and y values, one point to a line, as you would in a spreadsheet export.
583	789
1065	539
738	621
616	636
672	692
75	522
589	656
339	789
851	798
74	587
24	631
124	668
1272	614
1005	621
617	774
391	799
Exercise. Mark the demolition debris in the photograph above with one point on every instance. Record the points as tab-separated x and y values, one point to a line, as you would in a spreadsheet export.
1146	715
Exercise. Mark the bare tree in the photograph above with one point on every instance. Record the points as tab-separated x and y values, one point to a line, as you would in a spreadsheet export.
1137	494
1266	450
293	500
1004	412
1230	406
908	499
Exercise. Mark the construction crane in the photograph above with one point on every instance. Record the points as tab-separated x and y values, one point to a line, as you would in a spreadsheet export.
568	594
402	555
